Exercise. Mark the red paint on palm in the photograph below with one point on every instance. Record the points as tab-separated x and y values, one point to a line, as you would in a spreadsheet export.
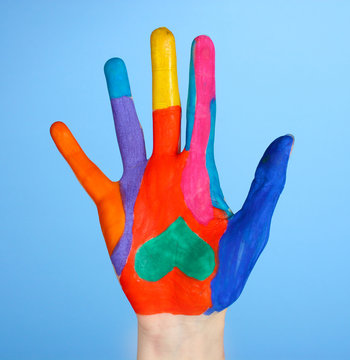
159	203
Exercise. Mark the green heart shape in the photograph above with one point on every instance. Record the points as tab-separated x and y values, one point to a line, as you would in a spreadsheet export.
178	246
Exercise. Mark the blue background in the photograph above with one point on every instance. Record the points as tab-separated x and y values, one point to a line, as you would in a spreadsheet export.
282	67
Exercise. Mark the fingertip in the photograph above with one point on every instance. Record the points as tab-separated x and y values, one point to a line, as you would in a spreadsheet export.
204	41
289	138
203	49
62	137
162	35
114	65
293	140
203	54
282	144
275	160
163	51
57	128
287	141
291	135
117	78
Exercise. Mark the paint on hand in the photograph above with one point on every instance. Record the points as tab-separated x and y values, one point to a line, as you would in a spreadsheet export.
171	237
178	246
200	171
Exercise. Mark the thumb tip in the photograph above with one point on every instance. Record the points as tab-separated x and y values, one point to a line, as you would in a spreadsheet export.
283	144
292	139
291	136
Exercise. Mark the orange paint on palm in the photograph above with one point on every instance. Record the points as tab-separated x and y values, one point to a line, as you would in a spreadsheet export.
159	203
108	211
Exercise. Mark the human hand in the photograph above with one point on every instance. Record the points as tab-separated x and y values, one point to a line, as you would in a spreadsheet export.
173	241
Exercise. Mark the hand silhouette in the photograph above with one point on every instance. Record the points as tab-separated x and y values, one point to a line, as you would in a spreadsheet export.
174	243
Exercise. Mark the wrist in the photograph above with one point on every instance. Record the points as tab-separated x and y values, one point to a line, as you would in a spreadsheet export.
181	337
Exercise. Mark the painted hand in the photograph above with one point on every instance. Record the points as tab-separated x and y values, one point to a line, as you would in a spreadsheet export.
173	241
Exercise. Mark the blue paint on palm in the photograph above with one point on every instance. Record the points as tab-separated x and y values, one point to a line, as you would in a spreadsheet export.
248	230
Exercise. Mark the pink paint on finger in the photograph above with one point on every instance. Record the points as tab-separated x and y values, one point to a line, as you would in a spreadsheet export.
195	179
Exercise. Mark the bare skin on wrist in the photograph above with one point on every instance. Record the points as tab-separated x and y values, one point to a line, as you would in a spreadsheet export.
181	337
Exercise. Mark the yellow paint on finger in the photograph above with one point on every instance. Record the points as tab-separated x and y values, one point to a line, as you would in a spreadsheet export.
165	88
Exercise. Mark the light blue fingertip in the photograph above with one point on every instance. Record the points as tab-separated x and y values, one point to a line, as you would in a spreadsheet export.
117	78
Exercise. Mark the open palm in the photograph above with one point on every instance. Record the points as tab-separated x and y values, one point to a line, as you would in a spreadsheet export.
175	244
